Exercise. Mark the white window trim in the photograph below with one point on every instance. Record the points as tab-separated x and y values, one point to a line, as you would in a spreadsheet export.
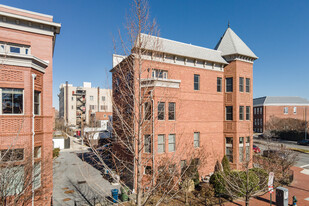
7	48
164	150
20	114
174	143
199	140
39	104
226	84
286	110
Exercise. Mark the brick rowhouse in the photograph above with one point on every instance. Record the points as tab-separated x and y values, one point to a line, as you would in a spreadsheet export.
264	108
27	41
203	96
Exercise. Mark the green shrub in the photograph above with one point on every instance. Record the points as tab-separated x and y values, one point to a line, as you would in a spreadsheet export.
226	164
217	181
56	152
257	180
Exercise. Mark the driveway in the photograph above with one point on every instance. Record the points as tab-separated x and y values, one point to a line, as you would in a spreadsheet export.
76	180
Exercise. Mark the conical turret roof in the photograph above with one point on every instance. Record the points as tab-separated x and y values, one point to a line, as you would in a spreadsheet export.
230	44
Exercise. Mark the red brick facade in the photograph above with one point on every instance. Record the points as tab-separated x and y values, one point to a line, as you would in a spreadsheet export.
262	114
199	112
13	75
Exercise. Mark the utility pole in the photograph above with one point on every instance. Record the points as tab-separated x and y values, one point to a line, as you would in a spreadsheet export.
305	122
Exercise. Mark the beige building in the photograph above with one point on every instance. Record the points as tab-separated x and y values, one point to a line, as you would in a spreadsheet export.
77	104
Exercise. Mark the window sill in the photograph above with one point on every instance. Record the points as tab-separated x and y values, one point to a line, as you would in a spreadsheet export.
12	114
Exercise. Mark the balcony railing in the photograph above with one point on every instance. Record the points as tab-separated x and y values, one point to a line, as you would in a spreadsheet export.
160	82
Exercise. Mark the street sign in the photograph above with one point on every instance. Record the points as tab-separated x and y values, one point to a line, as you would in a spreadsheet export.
271	179
271	182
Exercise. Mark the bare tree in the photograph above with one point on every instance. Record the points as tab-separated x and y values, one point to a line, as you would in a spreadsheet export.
277	159
132	153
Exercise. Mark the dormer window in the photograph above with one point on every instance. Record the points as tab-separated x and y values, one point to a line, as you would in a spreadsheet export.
157	73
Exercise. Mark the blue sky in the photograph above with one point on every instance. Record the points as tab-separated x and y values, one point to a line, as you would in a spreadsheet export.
276	31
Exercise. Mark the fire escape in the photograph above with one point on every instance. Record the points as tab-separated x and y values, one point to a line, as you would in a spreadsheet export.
80	107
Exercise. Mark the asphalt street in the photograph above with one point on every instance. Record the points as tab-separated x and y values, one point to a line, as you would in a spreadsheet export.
303	159
76	180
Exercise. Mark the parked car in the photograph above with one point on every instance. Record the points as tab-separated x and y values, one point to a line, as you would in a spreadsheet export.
256	149
303	142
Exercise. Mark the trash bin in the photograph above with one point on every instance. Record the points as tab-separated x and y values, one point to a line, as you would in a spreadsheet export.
115	195
282	196
124	194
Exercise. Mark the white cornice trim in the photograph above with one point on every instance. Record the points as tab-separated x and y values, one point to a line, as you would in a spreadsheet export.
26	11
50	23
186	63
23	61
28	29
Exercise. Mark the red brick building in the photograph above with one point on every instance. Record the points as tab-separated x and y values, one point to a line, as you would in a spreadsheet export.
282	107
201	99
27	41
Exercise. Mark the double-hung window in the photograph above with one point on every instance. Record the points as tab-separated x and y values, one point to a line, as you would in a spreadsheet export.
241	112
12	101
286	110
247	84
247	112
161	143
11	155
196	139
219	84
196	82
229	113
161	110
241	84
229	148
295	110
171	110
248	148
241	149
171	142
37	101
229	84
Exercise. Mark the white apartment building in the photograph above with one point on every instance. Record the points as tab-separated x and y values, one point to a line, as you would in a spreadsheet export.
78	104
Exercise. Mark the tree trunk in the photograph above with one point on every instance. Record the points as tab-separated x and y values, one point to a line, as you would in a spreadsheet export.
139	141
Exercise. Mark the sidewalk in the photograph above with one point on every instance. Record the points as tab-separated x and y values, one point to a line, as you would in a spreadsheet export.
299	188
